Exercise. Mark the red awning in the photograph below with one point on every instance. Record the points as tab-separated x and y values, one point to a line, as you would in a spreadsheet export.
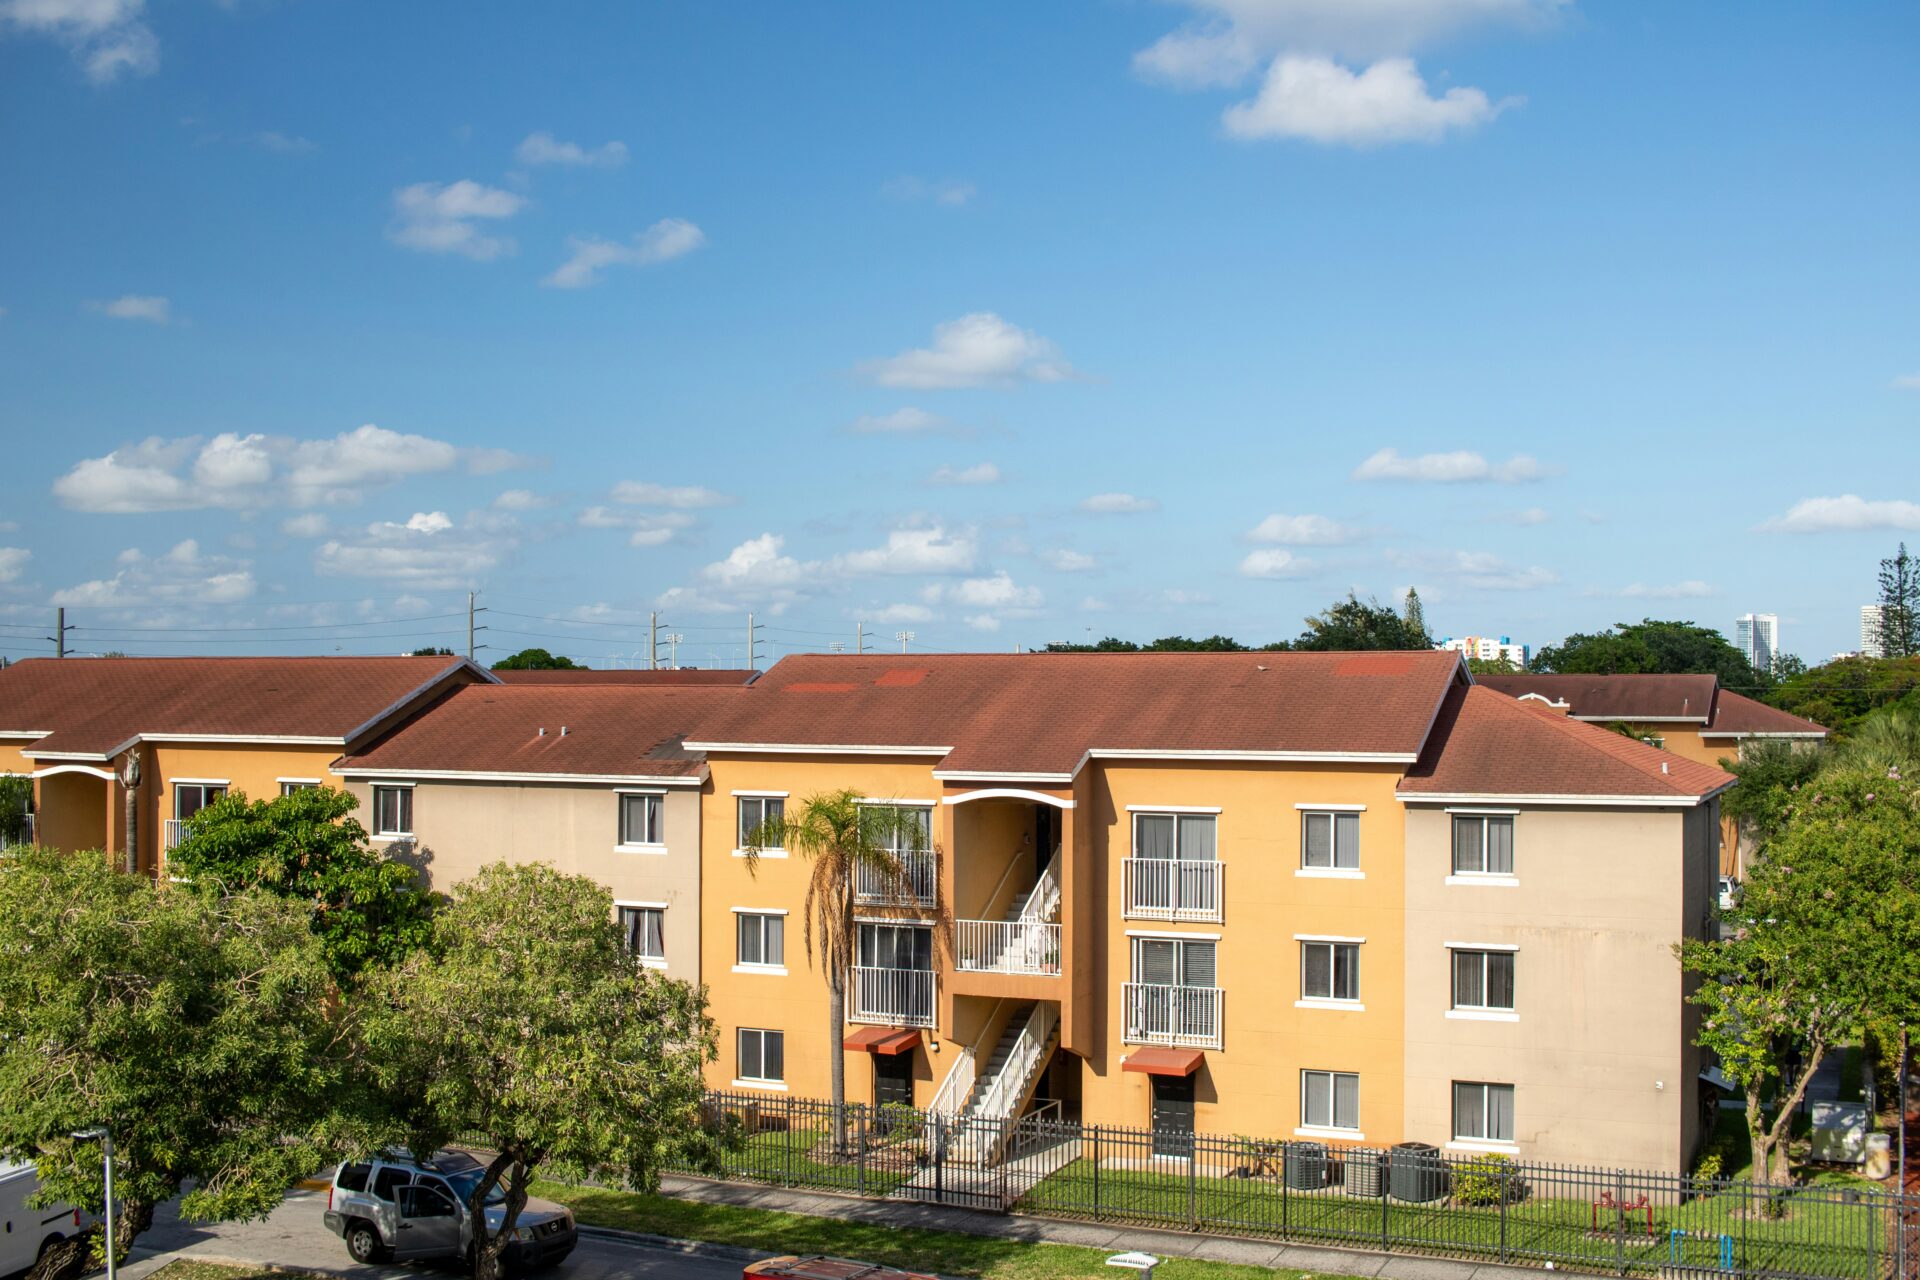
882	1040
1164	1062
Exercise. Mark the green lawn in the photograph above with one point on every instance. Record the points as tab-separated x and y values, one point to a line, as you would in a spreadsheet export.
801	1156
946	1252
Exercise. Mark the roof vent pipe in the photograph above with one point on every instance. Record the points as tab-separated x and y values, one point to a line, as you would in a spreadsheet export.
563	731
1663	767
543	731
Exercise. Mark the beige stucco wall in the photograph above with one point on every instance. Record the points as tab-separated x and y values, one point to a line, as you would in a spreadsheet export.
462	826
1598	1055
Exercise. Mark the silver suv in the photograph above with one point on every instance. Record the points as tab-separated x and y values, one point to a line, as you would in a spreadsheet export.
394	1207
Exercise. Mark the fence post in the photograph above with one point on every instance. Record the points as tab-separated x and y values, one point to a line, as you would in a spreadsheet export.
786	1146
1193	1174
1286	1201
939	1158
1386	1198
1505	1174
1619	1221
860	1145
1096	1172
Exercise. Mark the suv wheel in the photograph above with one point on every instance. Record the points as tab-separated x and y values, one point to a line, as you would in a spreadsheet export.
363	1242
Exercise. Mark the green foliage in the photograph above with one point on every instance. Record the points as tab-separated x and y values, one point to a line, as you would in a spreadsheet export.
1889	739
1362	624
1900	605
1845	691
366	909
196	1027
1710	1164
1628	730
1485	1180
1648	646
1492	666
16	792
1165	644
1771	773
535	660
1829	938
432	652
1414	613
528	1024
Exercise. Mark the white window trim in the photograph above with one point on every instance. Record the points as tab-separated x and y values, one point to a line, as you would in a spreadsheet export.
1323	937
653	962
764	853
898	804
1330	873
769	1086
373	795
771	970
1480	946
1168	933
655	849
759	911
1327	1131
1475	1144
1321	1002
1484	813
305	782
1331	808
1174	808
772	851
653	906
201	782
640	846
1483	1015
371	783
762	795
1484	880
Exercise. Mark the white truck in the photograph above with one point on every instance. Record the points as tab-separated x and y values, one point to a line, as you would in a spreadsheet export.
25	1233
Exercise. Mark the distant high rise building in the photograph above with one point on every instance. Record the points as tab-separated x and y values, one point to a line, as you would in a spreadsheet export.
1758	636
1487	649
1873	641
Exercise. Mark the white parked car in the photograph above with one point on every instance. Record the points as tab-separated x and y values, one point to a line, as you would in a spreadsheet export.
26	1233
1729	893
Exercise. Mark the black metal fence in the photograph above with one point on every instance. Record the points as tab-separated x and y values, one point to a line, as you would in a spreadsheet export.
1408	1199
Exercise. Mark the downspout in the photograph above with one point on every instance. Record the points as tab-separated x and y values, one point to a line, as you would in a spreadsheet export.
130	782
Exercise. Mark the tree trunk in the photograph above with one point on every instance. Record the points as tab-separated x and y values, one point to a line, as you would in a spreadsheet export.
1768	1142
836	1031
489	1247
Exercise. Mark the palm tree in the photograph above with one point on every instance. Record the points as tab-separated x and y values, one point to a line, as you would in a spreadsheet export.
842	837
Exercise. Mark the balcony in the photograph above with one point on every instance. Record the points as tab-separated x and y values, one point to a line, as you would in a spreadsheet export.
1007	946
1166	889
176	830
1189	1017
915	885
24	836
893	997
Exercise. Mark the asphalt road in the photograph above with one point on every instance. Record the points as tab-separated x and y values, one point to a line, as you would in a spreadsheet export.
294	1236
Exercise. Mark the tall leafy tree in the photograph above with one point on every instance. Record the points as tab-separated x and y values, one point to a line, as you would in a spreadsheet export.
198	1028
536	660
1354	623
1845	691
1653	647
840	836
1827	939
306	846
1413	613
528	1025
1900	604
1165	644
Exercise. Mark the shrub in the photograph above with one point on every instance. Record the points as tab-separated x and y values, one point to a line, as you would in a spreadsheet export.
1484	1179
1708	1167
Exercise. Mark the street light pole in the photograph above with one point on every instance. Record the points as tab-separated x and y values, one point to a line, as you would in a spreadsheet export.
106	1152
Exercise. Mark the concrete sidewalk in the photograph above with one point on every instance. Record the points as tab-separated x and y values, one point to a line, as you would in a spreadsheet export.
1114	1239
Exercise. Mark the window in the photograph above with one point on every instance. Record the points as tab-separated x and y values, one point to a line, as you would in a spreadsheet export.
1483	980
1482	1112
1173	998
1330	840
1329	971
425	1200
1329	1100
290	785
1182	837
754	812
389	1180
895	946
190	798
393	811
640	819
644	929
909	831
763	1055
762	939
1482	844
1173	962
352	1177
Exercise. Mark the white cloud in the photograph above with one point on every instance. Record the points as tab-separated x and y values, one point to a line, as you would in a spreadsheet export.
1118	504
436	218
906	421
977	350
1530	516
106	37
645	528
1692	589
1321	101
521	500
951	192
895	613
1304	531
1066	560
149	307
998	592
312	524
1907	382
1459	467
757	562
981	473
428	522
180	576
239	472
1477	569
665	240
1274	562
13	562
982	622
928	550
1846	513
544	148
423	553
643	493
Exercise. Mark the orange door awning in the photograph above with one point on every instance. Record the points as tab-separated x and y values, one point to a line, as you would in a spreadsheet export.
1164	1062
888	1040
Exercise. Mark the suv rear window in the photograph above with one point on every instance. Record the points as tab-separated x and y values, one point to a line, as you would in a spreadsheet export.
388	1180
352	1177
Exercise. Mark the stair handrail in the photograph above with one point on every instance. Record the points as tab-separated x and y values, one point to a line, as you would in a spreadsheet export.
1016	1071
986	909
1045	895
961	1075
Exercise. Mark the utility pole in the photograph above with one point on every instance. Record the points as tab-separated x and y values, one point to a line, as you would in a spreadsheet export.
673	649
59	636
653	641
859	637
753	640
470	627
903	637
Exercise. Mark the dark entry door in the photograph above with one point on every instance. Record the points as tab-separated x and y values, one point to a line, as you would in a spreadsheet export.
1173	1115
893	1078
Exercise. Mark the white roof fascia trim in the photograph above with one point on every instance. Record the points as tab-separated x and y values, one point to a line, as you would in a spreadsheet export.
982	775
407	698
1331	808
23	733
89	770
65	755
465	775
296	739
1346	757
1641	719
1008	793
814	749
1610	802
1762	733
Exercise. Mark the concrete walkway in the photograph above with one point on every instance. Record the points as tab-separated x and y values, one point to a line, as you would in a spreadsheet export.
1113	1239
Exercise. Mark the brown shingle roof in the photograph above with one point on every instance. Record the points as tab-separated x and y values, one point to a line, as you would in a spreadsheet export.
1006	714
92	707
1487	744
599	731
1740	715
1621	697
634	676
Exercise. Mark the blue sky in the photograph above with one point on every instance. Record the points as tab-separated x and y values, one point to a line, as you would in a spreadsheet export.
997	323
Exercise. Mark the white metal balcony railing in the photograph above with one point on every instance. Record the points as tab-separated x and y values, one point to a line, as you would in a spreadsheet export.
177	829
914	885
1007	946
894	997
1185	1016
1165	889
